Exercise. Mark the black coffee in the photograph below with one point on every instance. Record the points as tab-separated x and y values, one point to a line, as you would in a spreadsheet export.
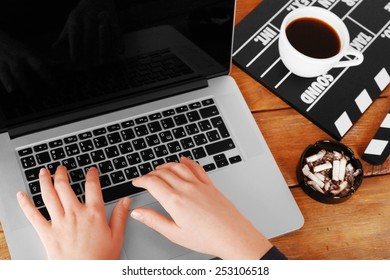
313	37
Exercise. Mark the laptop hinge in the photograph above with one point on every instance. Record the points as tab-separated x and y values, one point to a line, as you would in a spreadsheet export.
105	107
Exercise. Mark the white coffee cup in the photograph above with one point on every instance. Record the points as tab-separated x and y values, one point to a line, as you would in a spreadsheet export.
306	66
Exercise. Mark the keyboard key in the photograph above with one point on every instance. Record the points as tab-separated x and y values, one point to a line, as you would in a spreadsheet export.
97	156
45	213
220	125
199	153
152	140
43	158
235	159
192	129
133	158
28	162
85	135
104	181
40	148
83	159
167	123
34	187
76	175
72	150
209	112
205	125
141	120
182	109
141	130
219	147
195	105
125	148
100	142
180	119
222	163
119	162
117	177
157	162
200	139
193	116
178	132
113	127
145	168
70	139
155	116
154	127
99	131
119	191
105	167
187	143
77	189
147	154
131	173
69	163
166	136
52	167
161	151
38	201
114	138
25	152
139	144
209	167
127	124
111	151
213	135
174	147
128	134
58	153
168	113
172	158
208	102
55	143
186	154
86	146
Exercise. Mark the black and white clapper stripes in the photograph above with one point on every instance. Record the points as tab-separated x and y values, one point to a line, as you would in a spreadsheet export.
378	149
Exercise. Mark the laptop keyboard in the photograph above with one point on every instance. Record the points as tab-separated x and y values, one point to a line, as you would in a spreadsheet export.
133	147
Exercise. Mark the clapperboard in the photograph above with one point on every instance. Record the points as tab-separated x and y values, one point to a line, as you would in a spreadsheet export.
336	100
378	149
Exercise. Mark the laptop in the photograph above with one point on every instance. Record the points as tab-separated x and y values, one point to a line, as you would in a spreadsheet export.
145	83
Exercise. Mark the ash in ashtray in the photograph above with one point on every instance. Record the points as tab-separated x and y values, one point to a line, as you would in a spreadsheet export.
330	173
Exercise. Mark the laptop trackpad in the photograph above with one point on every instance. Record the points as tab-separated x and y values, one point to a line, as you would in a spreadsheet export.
143	243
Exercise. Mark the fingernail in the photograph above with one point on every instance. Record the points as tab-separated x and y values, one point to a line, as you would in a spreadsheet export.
126	202
20	195
136	215
42	171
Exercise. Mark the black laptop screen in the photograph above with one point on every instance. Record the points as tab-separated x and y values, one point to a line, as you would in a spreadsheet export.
60	57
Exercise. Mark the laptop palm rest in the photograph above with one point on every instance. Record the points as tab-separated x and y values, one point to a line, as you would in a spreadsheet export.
142	243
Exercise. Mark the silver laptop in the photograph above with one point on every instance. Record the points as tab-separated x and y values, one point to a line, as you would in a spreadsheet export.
151	87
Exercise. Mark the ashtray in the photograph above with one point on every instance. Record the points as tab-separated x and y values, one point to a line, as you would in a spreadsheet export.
329	172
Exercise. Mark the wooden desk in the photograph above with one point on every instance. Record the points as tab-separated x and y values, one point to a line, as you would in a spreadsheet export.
355	229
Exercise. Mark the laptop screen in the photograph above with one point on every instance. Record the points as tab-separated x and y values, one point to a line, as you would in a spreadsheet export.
60	57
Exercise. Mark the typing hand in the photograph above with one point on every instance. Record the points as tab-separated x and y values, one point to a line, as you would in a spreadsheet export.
203	219
76	231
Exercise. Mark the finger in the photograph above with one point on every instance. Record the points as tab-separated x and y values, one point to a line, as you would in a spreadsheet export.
93	192
61	38
118	219
157	187
197	170
170	176
64	191
6	78
32	213
157	222
179	170
49	195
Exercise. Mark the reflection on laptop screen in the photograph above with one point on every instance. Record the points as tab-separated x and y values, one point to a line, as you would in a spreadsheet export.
61	56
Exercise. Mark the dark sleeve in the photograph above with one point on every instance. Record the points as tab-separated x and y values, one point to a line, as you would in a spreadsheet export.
274	254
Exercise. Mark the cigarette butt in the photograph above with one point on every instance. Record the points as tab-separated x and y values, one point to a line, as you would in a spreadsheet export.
322	167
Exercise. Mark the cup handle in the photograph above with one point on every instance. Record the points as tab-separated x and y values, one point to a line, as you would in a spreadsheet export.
346	63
